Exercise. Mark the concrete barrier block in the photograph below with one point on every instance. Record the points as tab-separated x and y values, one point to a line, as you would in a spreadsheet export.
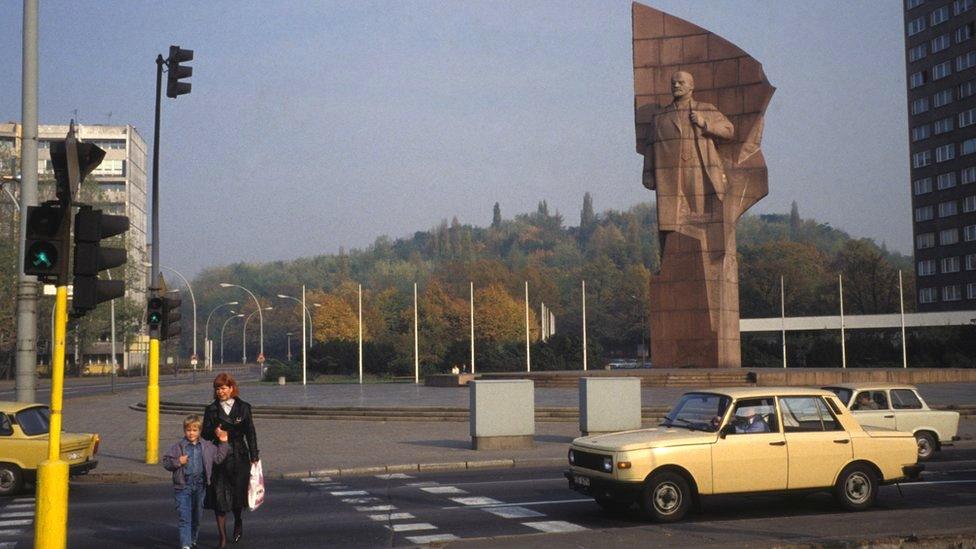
609	404
502	414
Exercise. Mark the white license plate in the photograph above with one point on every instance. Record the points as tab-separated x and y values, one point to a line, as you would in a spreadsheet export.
581	481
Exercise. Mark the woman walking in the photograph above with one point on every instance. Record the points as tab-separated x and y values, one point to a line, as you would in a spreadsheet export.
228	490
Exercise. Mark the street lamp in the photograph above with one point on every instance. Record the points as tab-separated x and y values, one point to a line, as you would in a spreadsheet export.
206	330
222	334
311	338
244	335
257	303
643	348
288	335
193	300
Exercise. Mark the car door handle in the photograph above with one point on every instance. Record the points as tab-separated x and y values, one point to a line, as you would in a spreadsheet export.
778	443
890	416
842	441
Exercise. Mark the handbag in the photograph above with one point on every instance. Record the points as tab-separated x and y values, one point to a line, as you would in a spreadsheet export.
255	488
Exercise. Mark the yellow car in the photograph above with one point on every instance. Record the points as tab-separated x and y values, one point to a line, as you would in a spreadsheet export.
741	440
23	445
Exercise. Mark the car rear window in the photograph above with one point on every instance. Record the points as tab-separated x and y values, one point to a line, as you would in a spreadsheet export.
905	399
807	414
34	421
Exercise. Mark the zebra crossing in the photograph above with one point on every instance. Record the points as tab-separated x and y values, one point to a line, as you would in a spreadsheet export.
414	511
16	521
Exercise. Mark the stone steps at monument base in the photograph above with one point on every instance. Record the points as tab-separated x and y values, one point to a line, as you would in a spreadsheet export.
649	378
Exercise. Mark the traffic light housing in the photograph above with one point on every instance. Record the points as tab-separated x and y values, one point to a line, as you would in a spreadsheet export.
72	161
91	227
175	88
154	316
171	315
46	242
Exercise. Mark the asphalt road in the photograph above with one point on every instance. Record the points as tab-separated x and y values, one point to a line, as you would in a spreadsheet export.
503	507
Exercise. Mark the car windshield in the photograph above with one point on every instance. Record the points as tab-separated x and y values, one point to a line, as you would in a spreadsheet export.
34	421
843	394
698	411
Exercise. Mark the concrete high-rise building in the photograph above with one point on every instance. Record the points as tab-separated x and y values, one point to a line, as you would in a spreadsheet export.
121	181
940	53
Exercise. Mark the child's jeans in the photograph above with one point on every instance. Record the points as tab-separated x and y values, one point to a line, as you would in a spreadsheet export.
189	505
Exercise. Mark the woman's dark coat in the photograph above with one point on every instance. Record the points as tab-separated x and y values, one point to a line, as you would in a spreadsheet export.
228	489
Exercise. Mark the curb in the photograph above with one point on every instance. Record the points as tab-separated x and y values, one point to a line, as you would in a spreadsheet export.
424	467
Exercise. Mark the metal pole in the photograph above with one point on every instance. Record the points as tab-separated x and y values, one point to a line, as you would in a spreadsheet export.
206	328
152	379
288	340
901	300
471	289
416	344
360	334
528	356
193	300
256	303
26	368
843	339
304	343
222	335
584	325
112	330
782	313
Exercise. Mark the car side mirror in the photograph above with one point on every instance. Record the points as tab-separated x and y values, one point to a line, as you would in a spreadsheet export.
726	430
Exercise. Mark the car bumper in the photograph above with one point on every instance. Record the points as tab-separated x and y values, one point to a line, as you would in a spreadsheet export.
601	487
83	467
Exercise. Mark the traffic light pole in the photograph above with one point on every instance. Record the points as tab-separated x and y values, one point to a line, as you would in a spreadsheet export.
152	388
50	526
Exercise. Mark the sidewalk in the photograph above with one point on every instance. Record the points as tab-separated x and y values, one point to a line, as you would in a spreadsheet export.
296	447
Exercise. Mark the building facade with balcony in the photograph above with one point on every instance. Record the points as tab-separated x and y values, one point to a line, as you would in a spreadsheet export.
940	54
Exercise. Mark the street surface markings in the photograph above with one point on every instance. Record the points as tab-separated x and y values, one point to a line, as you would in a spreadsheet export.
554	526
476	501
19	506
370	499
16	514
350	493
521	503
317	479
391	516
389	476
367	508
419	484
423	540
443	490
22	500
412	527
18	522
513	512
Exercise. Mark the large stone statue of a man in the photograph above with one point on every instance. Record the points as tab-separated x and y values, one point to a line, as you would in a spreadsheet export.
680	159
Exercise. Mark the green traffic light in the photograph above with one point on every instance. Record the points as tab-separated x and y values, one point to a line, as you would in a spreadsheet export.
42	255
155	318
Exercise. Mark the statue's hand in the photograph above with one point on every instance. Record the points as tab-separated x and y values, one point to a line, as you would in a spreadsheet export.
697	119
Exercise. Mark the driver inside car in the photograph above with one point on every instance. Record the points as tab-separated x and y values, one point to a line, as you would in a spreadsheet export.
748	420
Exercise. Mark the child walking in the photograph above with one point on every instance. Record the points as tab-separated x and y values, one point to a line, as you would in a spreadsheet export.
191	460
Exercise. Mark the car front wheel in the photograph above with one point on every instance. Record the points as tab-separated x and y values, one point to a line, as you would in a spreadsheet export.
11	479
857	488
666	497
926	445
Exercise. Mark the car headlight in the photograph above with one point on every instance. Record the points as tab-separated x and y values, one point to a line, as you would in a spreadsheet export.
608	464
572	458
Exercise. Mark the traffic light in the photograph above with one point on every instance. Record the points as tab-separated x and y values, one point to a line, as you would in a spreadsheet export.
91	227
171	315
174	87
72	161
46	242
154	316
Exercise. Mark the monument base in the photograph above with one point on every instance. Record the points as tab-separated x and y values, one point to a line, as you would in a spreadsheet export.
515	442
448	380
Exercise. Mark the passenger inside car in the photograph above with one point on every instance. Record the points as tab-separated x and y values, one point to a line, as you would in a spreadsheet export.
755	416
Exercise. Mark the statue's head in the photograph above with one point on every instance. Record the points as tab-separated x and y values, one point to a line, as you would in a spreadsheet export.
682	84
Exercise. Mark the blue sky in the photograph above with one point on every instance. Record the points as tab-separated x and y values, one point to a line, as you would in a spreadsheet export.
315	125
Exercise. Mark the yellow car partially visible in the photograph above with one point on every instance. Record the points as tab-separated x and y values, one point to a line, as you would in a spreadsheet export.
24	428
742	440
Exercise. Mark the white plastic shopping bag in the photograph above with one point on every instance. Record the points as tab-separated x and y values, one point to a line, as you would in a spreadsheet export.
255	488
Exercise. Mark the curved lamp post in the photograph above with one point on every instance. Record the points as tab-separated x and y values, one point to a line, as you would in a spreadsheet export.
244	334
256	302
222	334
206	328
311	338
193	300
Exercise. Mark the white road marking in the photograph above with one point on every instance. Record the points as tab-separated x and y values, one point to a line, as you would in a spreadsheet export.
553	526
443	490
424	540
513	512
422	483
317	479
907	484
476	501
12	533
522	503
391	516
370	499
350	493
412	527
389	476
16	522
17	514
376	508
22	500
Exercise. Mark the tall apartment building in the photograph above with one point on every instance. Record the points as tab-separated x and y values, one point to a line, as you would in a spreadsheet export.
941	67
121	179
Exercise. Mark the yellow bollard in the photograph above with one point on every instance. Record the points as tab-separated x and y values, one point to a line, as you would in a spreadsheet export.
51	518
51	524
152	404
